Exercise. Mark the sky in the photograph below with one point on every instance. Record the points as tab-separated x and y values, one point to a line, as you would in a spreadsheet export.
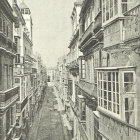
51	28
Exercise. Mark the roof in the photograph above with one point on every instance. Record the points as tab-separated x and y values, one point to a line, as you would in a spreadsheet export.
23	5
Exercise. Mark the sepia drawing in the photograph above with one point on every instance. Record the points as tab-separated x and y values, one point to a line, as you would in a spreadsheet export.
69	69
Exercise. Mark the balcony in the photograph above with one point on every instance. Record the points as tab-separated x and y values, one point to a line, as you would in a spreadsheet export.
98	22
132	23
7	44
88	38
21	105
89	88
8	97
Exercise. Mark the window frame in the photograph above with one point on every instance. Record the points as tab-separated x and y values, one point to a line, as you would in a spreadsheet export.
103	99
134	80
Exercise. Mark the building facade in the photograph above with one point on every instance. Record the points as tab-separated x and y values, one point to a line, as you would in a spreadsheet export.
8	90
103	81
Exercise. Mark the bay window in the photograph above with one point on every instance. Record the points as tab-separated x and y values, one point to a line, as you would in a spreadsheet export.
110	9
108	90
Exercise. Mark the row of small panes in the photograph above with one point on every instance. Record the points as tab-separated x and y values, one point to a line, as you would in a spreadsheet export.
110	96
108	86
108	105
108	76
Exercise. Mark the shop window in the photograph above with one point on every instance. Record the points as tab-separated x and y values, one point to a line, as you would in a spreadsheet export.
108	91
129	110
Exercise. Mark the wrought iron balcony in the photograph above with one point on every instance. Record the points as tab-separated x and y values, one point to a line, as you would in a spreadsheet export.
132	23
8	97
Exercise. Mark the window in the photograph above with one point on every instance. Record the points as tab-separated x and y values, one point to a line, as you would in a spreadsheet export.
17	80
83	116
17	59
1	23
10	76
26	11
110	9
108	91
129	110
6	76
22	11
83	71
4	26
129	82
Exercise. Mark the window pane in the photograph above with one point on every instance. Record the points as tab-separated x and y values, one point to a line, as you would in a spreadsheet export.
128	87
128	77
105	104
109	96
105	85
105	95
116	6
109	76
110	106
109	86
114	108
118	110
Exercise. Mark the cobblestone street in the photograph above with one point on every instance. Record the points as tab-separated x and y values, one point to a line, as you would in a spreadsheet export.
48	124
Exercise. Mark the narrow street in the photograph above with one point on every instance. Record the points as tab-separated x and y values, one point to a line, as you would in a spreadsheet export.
47	124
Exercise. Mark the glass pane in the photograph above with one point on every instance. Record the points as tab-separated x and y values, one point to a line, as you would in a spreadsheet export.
105	104
114	98
116	6
117	87
128	77
128	87
109	76
109	86
113	76
110	106
114	108
114	86
130	117
117	76
105	95
118	110
118	98
109	96
105	86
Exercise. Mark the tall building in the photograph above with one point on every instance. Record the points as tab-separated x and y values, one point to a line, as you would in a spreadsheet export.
8	90
103	88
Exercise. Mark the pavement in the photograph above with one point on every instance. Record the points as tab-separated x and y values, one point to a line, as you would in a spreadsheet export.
48	123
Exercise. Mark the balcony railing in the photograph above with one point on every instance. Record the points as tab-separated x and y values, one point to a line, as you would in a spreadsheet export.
8	44
9	96
87	34
132	23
